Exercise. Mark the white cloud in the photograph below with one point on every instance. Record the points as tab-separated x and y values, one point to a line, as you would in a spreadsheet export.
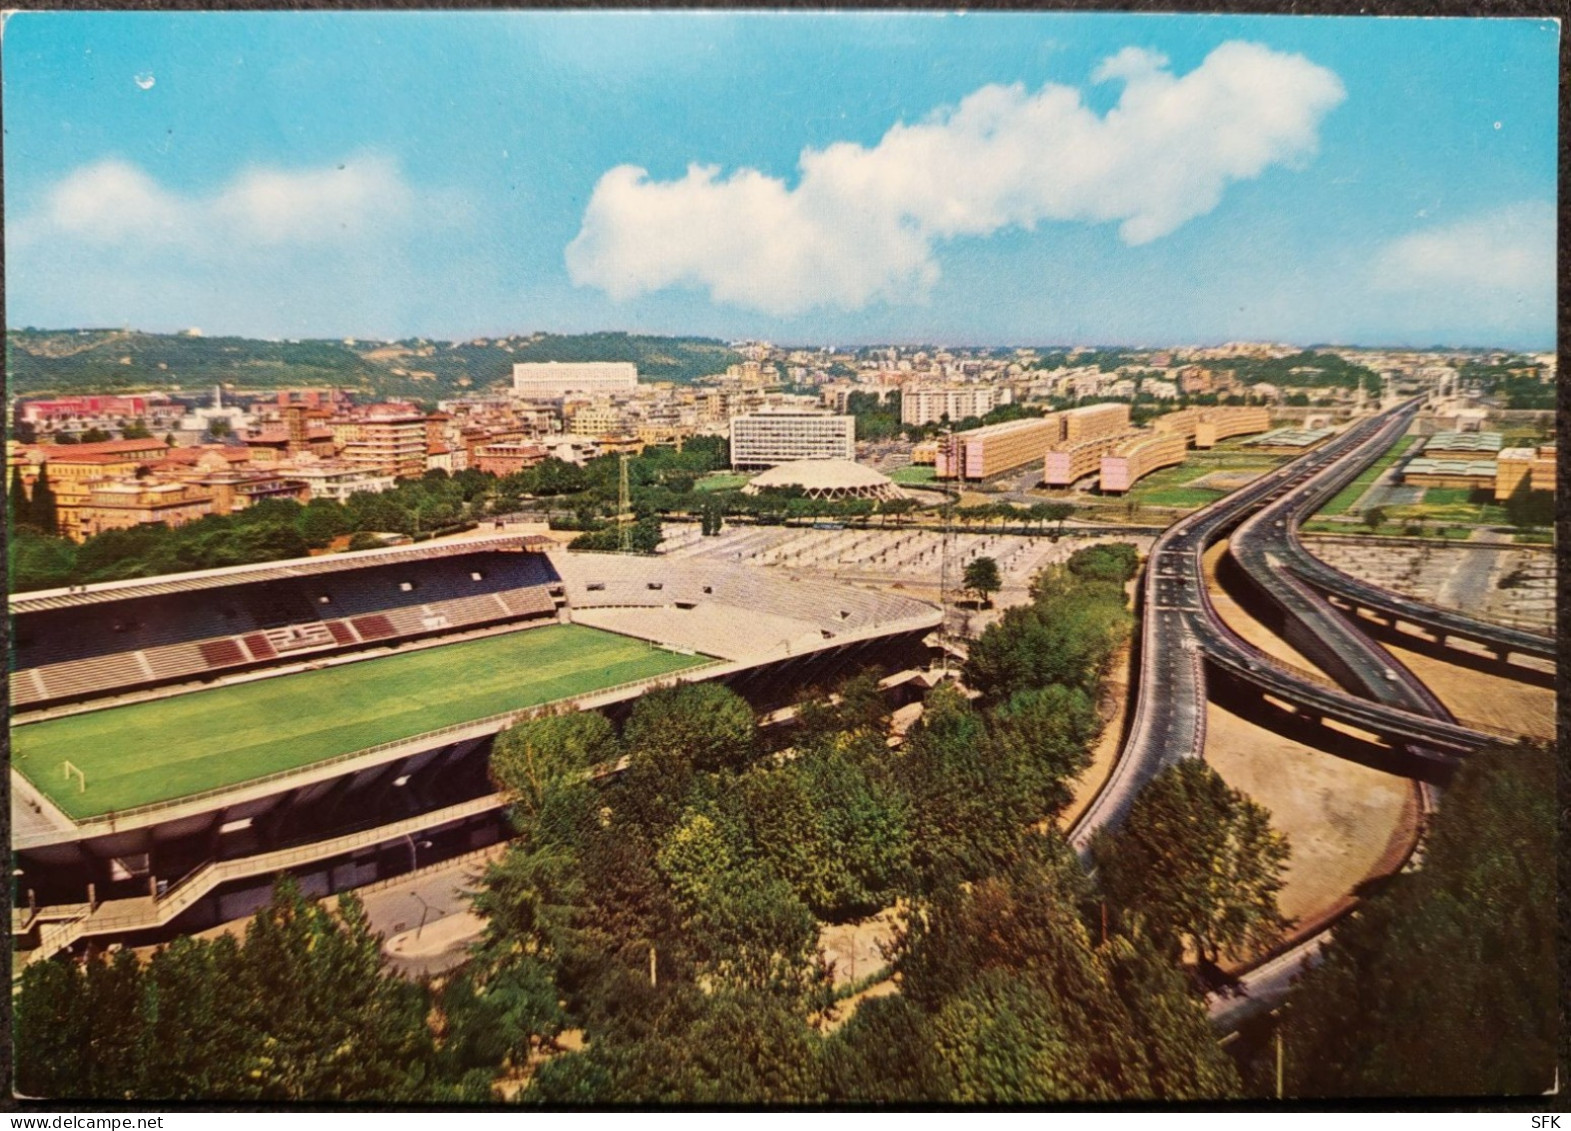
347	247
115	204
1503	256
862	223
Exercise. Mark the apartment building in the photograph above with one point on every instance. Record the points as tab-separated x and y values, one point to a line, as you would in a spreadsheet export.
1138	457
118	504
1094	420
982	453
1066	464
927	404
392	444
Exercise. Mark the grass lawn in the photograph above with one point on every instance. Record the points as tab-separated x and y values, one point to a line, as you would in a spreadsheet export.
721	481
1388	530
914	473
170	748
1350	494
1159	496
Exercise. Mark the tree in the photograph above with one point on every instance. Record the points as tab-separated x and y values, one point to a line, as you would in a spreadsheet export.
1374	518
532	758
1041	740
43	511
982	578
320	521
1117	562
52	1030
95	436
1444	982
704	725
1198	863
1017	1004
330	1023
17	510
1052	512
136	430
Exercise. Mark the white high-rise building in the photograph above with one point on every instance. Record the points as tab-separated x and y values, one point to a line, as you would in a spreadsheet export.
549	380
763	439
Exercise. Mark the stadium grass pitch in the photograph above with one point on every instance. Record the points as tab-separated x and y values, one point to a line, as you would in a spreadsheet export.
166	749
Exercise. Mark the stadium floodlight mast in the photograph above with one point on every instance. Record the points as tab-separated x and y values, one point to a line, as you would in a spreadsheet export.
624	509
943	555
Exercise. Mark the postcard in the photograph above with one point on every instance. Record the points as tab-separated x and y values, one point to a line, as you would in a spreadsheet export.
780	558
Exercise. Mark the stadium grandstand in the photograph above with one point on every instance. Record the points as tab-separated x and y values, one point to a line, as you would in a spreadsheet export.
77	644
334	715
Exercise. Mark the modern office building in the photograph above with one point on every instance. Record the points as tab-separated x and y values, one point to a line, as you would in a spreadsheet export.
549	380
764	439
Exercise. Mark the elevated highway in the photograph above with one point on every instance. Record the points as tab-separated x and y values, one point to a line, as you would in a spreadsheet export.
1182	636
1275	532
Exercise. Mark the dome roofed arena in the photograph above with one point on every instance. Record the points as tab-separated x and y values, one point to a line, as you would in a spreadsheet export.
825	479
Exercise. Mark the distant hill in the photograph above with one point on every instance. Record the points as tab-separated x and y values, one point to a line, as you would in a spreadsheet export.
73	361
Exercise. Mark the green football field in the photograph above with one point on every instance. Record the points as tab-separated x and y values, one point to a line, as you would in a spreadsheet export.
171	748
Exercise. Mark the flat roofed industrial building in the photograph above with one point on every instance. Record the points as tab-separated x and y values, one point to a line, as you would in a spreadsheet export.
1290	440
547	380
764	439
1468	473
1481	443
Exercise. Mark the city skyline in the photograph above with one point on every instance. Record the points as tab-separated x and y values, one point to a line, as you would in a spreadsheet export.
1182	180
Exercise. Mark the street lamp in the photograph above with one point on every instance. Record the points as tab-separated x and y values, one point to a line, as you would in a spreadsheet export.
426	910
413	857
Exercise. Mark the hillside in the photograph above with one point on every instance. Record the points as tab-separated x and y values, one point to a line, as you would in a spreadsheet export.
73	361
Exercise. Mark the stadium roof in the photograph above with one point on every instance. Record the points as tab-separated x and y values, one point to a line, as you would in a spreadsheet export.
264	571
826	477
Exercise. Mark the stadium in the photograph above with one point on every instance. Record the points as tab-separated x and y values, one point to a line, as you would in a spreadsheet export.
177	741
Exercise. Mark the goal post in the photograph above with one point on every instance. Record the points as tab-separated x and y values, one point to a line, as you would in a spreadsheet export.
81	778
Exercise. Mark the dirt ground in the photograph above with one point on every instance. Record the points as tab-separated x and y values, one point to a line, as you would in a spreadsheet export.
855	949
1340	817
1113	698
1484	697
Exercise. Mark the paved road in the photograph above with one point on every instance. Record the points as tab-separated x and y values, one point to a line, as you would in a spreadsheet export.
395	907
1278	534
1178	626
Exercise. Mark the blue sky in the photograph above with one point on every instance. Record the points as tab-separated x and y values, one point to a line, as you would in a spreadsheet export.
811	178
